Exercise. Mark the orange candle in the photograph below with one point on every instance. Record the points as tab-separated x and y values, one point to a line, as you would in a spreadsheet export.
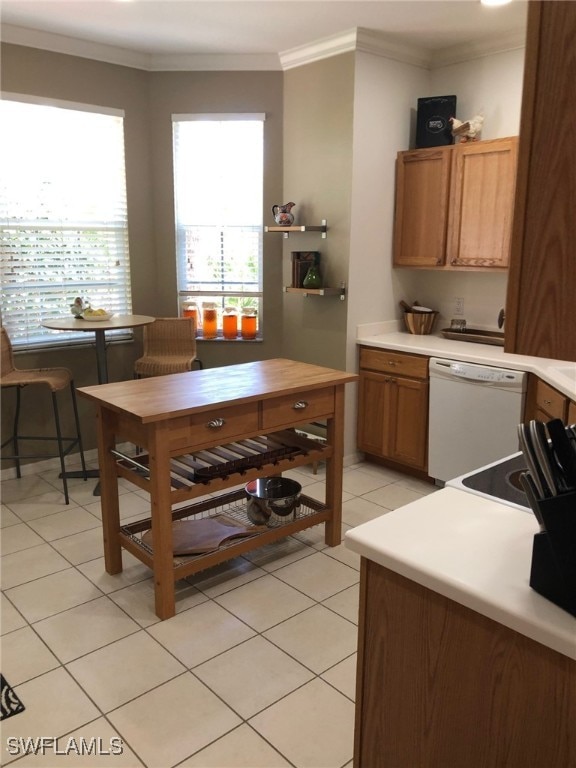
249	324
209	320
191	310
230	323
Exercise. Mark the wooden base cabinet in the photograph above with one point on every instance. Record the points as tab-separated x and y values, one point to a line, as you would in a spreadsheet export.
543	402
454	205
441	686
393	407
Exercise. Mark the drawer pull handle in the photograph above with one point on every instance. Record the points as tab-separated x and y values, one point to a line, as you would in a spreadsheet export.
547	402
216	423
392	362
299	405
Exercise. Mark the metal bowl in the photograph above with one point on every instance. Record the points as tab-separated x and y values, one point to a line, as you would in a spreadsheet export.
272	499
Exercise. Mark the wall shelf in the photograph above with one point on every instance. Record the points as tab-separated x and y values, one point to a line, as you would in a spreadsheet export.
341	292
323	228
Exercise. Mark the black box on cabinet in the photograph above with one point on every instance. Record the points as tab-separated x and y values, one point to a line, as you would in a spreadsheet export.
433	127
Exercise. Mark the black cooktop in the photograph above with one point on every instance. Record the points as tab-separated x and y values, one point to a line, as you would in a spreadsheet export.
501	481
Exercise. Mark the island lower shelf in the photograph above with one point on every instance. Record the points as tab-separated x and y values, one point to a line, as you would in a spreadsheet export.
232	506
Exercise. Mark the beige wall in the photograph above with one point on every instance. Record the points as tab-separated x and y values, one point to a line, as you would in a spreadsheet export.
148	100
318	123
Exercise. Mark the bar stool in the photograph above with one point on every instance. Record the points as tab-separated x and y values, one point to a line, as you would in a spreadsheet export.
54	378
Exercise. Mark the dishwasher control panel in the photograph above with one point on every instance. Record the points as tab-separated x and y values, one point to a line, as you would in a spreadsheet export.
486	374
482	374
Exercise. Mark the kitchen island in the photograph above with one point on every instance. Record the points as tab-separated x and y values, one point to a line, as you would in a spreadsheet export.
460	662
204	432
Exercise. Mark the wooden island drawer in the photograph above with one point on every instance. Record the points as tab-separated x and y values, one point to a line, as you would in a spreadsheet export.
279	411
223	423
387	361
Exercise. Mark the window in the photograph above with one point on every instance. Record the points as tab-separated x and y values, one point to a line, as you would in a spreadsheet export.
63	218
218	180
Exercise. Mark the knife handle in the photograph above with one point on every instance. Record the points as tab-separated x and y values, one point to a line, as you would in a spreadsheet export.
529	487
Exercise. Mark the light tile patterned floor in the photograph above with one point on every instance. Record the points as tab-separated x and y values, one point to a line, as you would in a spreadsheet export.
256	670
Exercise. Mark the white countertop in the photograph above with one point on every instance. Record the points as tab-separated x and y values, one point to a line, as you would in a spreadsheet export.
474	551
560	374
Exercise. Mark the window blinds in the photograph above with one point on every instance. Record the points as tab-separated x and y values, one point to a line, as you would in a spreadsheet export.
63	217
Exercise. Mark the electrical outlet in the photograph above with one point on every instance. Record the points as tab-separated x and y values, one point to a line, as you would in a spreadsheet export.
459	306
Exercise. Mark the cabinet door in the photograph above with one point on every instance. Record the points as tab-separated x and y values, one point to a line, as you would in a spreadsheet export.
373	409
393	418
571	418
408	421
482	204
422	189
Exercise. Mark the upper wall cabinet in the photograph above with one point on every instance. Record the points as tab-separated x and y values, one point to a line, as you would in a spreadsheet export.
454	206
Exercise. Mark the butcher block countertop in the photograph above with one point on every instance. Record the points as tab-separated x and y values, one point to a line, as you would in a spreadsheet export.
560	374
474	551
161	397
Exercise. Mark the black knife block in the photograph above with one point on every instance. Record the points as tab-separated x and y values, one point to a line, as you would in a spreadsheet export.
553	571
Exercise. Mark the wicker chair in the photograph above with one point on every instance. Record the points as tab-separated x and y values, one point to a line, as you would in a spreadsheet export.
169	347
55	379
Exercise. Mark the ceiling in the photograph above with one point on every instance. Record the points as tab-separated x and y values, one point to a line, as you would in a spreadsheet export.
262	27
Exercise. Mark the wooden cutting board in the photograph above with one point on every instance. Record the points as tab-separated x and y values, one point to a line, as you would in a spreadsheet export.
196	537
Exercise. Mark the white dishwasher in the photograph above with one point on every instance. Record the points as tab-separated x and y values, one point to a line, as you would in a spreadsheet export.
474	414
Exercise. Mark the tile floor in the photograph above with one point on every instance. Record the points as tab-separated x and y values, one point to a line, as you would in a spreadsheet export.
256	670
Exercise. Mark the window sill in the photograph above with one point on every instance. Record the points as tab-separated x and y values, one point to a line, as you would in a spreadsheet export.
220	338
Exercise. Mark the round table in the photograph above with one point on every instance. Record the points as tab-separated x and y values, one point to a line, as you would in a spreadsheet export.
99	328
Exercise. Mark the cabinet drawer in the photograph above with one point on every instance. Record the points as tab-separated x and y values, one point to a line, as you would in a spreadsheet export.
219	424
279	411
394	362
550	400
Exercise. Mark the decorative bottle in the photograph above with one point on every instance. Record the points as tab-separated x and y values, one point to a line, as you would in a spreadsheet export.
313	278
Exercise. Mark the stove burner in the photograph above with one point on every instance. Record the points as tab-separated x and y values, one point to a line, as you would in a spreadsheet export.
501	481
514	479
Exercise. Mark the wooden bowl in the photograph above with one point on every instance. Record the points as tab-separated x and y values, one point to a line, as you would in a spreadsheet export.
420	322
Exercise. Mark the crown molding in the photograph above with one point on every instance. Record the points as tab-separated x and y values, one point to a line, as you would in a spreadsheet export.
73	46
248	62
378	44
512	40
110	54
357	39
320	49
369	41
